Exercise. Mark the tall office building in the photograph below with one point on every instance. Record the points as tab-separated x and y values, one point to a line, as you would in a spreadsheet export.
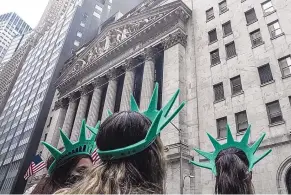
11	25
16	43
22	119
231	61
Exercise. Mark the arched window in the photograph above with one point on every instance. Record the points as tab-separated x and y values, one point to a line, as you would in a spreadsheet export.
288	181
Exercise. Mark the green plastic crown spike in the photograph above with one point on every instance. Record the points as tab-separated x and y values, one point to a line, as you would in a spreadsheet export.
159	119
82	146
231	143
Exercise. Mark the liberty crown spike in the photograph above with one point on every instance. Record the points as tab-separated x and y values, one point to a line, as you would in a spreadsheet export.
231	143
159	119
82	146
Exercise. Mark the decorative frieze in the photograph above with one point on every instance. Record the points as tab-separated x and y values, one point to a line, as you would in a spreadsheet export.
98	82
113	73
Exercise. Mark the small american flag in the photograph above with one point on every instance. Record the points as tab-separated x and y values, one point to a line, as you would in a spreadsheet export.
95	157
35	166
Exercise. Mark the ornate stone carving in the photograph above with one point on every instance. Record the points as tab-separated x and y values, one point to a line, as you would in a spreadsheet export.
149	53
73	96
98	82
61	103
124	36
129	64
113	73
85	89
175	38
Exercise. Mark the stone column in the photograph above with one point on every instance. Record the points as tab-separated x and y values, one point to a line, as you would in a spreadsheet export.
53	136
95	102
148	78
70	116
81	112
128	84
174	77
111	93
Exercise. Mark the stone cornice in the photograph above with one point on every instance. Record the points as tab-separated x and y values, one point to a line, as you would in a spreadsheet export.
152	33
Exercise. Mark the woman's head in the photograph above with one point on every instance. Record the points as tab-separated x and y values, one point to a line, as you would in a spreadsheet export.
66	173
142	172
233	176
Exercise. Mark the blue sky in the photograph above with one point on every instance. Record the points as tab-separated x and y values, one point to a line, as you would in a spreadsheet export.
29	10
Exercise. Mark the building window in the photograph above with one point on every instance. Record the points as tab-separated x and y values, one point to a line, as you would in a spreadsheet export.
221	127
265	74
212	36
214	55
223	7
256	38
227	30
82	24
268	7
50	121
236	86
209	14
275	29
79	34
285	65
251	16
241	120
218	92
98	8
290	100
96	15
76	43
274	112
230	50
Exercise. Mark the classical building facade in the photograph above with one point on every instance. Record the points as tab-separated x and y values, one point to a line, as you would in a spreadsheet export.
231	60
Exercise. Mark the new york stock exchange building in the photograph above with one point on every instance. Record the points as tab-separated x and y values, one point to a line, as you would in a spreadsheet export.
203	49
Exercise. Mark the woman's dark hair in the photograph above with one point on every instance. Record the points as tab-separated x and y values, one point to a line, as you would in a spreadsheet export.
233	176
141	173
61	176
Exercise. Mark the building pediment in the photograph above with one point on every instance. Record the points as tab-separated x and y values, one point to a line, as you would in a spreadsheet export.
124	34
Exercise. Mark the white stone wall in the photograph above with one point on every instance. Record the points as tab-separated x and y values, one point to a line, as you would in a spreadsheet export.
255	97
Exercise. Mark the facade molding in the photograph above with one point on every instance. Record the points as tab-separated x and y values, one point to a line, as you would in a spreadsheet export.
93	58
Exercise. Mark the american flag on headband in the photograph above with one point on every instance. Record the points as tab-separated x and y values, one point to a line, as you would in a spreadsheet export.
35	166
95	157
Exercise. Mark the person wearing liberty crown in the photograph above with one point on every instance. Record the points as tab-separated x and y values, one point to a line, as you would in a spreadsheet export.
232	163
67	165
131	151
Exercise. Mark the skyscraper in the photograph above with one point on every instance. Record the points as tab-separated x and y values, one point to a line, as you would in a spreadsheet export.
22	119
11	25
16	43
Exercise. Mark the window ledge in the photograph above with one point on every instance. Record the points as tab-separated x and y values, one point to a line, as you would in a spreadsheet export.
231	57
217	101
213	42
241	133
210	19
277	36
277	124
287	76
220	138
253	47
223	11
267	14
227	35
268	83
212	65
252	22
237	94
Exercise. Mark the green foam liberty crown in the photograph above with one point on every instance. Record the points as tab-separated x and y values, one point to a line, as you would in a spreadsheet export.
159	119
231	143
82	146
